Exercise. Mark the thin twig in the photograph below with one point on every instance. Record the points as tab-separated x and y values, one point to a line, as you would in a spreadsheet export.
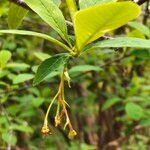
146	12
140	2
23	88
114	61
20	3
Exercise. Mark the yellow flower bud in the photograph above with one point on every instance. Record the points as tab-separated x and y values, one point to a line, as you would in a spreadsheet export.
72	134
57	121
45	130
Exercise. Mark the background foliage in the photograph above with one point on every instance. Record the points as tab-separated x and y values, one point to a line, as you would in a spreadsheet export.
109	98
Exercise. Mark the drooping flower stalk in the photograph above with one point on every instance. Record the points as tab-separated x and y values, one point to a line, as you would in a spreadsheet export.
60	112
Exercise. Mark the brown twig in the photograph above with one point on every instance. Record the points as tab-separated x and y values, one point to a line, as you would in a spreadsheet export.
20	3
114	61
140	2
146	12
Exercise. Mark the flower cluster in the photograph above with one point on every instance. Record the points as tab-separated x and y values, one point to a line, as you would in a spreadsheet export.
61	112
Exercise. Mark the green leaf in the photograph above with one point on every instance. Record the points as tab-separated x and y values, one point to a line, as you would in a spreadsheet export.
36	34
93	22
41	56
122	42
57	2
51	14
4	57
22	78
16	15
3	73
37	101
28	33
134	111
3	8
3	84
9	138
83	68
22	128
87	3
52	75
139	26
110	102
49	65
17	65
29	113
145	122
143	55
136	34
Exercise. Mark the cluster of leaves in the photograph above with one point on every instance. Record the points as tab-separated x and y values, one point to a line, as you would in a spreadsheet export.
121	88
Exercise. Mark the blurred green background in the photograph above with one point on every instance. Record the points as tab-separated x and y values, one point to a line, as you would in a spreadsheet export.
109	99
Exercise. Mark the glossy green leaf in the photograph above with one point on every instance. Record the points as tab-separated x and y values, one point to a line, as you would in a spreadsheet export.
51	14
16	15
22	78
122	42
93	22
28	33
4	57
36	34
52	75
49	76
49	65
87	3
139	26
110	102
134	111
